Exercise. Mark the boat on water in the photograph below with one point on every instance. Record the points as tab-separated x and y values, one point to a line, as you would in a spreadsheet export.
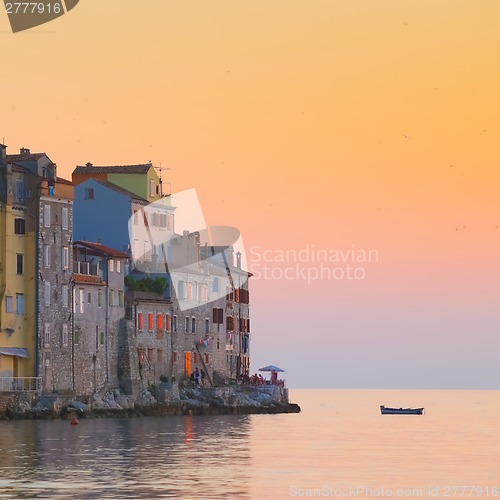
401	411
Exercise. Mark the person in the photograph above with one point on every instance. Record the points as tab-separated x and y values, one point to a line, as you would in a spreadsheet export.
197	375
274	377
261	379
203	375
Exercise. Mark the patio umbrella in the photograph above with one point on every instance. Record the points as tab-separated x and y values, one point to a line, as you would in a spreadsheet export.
271	368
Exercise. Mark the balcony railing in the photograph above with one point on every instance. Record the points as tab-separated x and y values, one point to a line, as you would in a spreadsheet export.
20	384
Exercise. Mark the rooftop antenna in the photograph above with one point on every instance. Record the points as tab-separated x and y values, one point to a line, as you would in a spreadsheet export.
160	169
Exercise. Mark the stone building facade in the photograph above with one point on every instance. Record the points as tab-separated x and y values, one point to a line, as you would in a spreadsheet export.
55	266
98	315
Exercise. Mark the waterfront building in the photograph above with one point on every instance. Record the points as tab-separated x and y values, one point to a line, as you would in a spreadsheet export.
98	315
35	269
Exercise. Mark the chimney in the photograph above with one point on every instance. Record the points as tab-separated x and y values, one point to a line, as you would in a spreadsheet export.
3	153
238	260
24	151
88	164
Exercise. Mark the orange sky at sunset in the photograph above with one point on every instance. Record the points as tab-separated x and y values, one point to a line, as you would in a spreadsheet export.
327	123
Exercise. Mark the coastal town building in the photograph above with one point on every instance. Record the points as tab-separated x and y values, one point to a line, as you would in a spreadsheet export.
35	270
98	290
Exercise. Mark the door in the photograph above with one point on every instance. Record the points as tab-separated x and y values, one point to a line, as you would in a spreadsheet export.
187	362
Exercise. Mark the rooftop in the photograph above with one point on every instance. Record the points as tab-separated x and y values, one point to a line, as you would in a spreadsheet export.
101	249
25	157
113	169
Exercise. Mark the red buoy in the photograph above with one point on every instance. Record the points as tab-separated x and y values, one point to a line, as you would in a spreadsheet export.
74	421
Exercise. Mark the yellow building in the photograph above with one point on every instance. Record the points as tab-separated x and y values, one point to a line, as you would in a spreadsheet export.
17	271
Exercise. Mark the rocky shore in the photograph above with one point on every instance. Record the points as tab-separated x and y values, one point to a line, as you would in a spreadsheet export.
167	399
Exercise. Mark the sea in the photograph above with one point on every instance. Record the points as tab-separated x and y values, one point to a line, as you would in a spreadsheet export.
339	446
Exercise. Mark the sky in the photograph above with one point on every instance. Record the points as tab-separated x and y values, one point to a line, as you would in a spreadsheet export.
322	129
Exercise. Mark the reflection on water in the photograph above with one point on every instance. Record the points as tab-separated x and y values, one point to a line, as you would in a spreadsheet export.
339	440
126	458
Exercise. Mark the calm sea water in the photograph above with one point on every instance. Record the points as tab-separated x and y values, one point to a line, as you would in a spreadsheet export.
339	446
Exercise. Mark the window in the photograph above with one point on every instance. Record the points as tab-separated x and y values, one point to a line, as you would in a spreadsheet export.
76	337
155	219
150	321
135	250
193	325
207	359
47	293
187	324
19	226
46	255
159	321
46	335
152	188
215	286
19	303
46	215
89	298
118	266
180	290
139	321
8	303
189	291
174	324
160	355
207	325
65	218
168	323
237	295
111	301
81	297
65	295
65	257
121	302
174	355
101	338
111	265
163	220
200	292
147	250
99	297
19	263
205	293
151	355
170	221
19	191
217	315
135	217
65	335
140	353
89	193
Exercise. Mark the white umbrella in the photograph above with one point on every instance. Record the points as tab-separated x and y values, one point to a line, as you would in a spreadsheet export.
271	368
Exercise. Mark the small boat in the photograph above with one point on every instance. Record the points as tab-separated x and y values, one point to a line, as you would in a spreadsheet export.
401	411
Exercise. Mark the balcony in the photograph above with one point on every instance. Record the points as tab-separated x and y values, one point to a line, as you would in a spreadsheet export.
86	272
89	268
